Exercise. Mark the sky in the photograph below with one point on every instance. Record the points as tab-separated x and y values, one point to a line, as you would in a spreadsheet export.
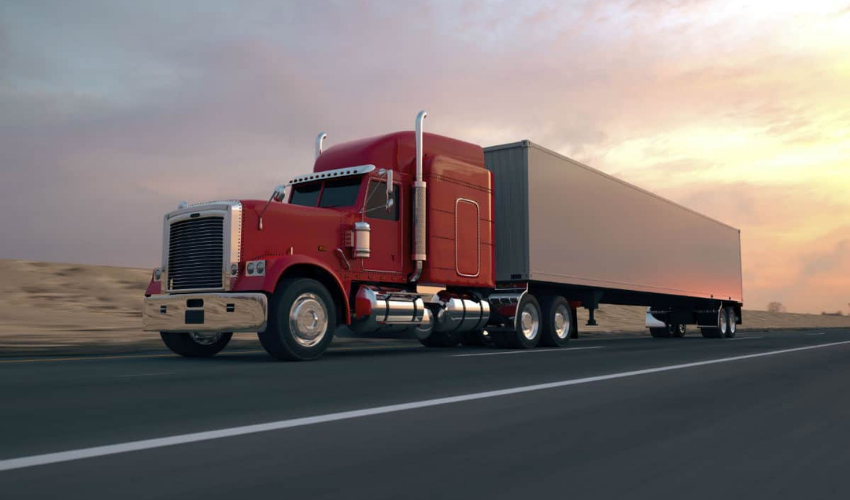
112	112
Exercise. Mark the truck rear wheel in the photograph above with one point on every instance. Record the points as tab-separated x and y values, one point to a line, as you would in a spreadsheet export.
302	319
527	332
557	324
196	344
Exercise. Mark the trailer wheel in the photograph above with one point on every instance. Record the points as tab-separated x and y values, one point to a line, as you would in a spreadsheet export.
196	344
731	323
526	334
557	323
721	330
680	331
302	319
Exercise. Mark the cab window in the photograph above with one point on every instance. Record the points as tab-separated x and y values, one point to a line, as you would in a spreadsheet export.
305	195
340	192
377	199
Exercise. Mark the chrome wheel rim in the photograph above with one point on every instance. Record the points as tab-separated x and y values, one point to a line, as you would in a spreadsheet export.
562	322
529	322
205	338
723	324
732	324
308	320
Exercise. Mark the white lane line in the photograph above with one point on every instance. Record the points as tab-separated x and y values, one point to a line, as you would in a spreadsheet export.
145	375
148	444
533	351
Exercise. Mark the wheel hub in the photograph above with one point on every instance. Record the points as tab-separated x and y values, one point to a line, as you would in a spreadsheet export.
308	320
562	322
529	322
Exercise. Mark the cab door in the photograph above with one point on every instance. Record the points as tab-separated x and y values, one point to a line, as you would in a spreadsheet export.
386	229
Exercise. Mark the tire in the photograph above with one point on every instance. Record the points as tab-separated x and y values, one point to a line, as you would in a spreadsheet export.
302	320
721	330
731	322
557	322
723	323
196	345
679	331
441	339
473	338
527	333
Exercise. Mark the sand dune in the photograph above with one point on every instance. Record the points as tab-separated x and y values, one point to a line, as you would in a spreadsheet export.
57	308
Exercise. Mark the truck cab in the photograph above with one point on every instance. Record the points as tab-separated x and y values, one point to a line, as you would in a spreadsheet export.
347	244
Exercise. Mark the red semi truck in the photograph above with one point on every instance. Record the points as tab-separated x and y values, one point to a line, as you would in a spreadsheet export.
515	237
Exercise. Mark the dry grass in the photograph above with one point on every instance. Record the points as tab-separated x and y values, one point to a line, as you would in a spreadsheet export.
58	308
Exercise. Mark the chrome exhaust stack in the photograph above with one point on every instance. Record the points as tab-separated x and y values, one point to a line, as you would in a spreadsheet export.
419	188
320	139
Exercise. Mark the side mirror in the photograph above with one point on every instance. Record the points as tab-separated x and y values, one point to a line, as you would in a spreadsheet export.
390	201
279	193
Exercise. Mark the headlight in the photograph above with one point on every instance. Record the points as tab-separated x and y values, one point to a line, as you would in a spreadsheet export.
157	274
256	268
234	269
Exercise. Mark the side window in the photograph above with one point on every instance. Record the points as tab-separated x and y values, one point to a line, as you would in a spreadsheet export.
305	195
376	199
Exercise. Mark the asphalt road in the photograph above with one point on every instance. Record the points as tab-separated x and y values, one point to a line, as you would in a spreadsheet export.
614	418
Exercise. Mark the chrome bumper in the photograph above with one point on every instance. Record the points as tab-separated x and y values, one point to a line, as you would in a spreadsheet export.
206	312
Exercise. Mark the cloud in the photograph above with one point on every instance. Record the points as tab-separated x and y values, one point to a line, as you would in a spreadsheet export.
113	113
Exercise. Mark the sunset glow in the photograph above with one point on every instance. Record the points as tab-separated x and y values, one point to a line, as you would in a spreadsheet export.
741	112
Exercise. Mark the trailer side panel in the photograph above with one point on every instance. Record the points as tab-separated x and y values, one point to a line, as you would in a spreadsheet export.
588	228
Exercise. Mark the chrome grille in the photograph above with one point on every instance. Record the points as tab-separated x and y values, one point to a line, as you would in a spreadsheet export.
196	254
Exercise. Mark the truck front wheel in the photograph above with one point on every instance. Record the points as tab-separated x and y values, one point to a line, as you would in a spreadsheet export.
302	319
196	344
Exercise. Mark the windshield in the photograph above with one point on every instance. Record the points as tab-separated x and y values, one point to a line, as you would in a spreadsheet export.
336	193
305	195
340	192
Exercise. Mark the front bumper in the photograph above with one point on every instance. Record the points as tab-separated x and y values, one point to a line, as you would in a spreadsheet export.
206	312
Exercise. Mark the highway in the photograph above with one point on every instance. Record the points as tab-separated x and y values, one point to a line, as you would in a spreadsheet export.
764	415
